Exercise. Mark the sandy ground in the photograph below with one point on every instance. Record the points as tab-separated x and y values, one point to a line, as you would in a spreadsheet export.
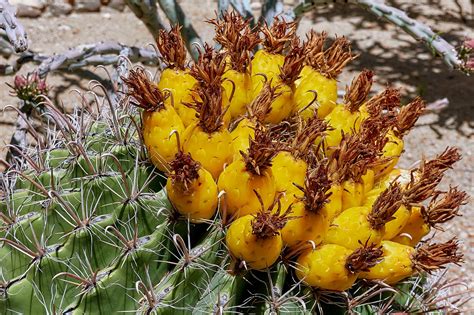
395	57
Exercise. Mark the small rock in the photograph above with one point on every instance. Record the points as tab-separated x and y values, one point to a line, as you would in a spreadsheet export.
87	5
26	11
60	7
118	5
29	8
106	16
64	27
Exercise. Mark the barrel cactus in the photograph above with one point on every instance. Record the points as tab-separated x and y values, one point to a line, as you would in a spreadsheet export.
236	184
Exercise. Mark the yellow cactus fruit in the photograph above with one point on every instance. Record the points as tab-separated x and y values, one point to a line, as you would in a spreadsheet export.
361	225
334	267
401	261
237	39
346	118
255	239
289	167
249	174
176	78
414	230
208	141
442	208
405	120
283	105
191	189
351	162
313	45
320	75
267	62
334	205
159	118
417	186
311	219
400	219
255	115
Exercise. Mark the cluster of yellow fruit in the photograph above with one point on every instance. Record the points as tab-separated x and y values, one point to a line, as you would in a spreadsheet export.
301	176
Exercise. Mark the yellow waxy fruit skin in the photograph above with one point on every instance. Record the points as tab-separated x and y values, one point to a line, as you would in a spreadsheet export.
241	136
257	253
334	206
200	203
351	228
352	194
395	266
325	268
287	171
179	83
307	226
241	83
267	64
414	230
240	186
282	106
341	119
368	180
325	87
392	149
157	127
371	196
303	74
394	227
213	151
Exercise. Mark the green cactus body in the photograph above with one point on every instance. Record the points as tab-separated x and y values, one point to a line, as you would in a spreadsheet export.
144	263
182	288
222	294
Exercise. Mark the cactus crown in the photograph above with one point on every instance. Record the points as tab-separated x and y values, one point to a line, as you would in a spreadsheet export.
430	257
385	206
208	71
425	178
277	36
237	38
364	258
316	188
388	100
353	157
314	44
145	93
261	152
293	63
443	209
267	224
184	170
210	67
408	115
357	92
92	209
331	61
306	134
373	131
260	106
172	48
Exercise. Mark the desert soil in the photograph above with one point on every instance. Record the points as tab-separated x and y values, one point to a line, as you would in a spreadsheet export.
395	57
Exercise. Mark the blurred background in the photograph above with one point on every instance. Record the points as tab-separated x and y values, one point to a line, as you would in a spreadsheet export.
397	59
